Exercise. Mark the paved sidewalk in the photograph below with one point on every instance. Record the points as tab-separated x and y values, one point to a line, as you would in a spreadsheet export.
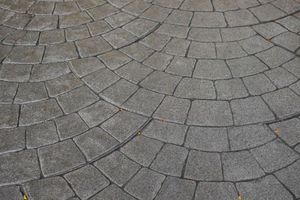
150	99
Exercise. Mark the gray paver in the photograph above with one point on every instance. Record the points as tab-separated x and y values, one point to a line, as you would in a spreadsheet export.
215	190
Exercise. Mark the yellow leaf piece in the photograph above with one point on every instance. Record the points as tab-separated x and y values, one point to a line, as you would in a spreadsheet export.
240	197
277	131
25	197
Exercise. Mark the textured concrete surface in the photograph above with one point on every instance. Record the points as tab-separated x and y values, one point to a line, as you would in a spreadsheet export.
150	99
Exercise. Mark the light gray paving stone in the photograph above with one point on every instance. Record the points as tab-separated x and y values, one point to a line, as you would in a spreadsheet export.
119	3
258	84
228	50
57	188
14	37
168	3
70	125
208	19
98	27
281	77
296	87
144	102
274	155
140	27
145	184
100	79
179	17
230	89
85	66
43	72
86	181
60	52
137	51
236	33
103	11
158	61
202	50
289	130
36	112
267	12
114	59
52	37
172	30
7	91
181	66
41	134
95	142
255	44
15	73
119	19
205	35
18	21
119	92
166	132
177	46
240	17
25	54
117	167
194	5
9	115
92	46
89	4
267	187
65	8
142	149
239	166
269	30
19	167
11	192
287	5
289	176
137	7
12	140
195	89
97	113
59	158
245	137
119	38
161	82
76	99
292	66
291	23
246	66
203	166
215	190
31	92
207	139
134	71
156	13
112	192
42	23
123	125
155	41
30	38
5	51
170	160
225	6
210	113
288	40
211	69
76	33
177	189
283	102
41	7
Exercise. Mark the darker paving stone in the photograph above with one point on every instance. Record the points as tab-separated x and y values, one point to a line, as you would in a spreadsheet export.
142	149
240	18
230	89
205	35
77	99
181	66
12	140
211	69
137	51
112	192
33	113
103	11
42	23
170	160
267	12
155	41
202	50
207	139
11	193
74	19
41	134
281	77
45	72
86	181
92	46
156	13
215	190
60	52
26	55
208	19
145	184
159	61
117	167
60	157
15	72
239	166
119	38
114	59
287	40
77	33
274	155
203	166
70	125
267	187
269	30
229	50
19	167
177	47
9	115
258	84
255	44
57	188
31	92
95	142
176	189
85	66
7	91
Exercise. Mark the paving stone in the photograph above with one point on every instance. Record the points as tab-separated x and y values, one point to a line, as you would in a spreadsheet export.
181	66
267	12
288	40
25	54
134	71
30	38
289	176
246	66
211	69
292	66
166	132
287	5
202	50
296	87
177	46
7	91
102	11
170	160
36	112
236	33
119	19
41	134
239	166
269	30
291	23
114	59
117	167
86	181
65	8
281	77
179	17
112	192
203	166
156	13
215	190
255	44
85	66
137	51
18	20
144	102
195	89
42	23
274	155
158	61
172	30
60	157
45	72
220	5
119	38
207	139
11	192
240	18
137	7
210	113
9	115
208	19
168	3
145	184
52	37
60	52
289	130
120	3
123	125
229	50
76	33
76	99
92	46
230	89
140	27
41	7
155	41
275	56
142	149
283	102
205	35
89	4
57	188
19	167
31	92
12	140
98	27
194	5
268	187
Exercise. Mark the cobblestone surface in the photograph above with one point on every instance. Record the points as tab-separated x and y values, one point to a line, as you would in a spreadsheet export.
149	99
